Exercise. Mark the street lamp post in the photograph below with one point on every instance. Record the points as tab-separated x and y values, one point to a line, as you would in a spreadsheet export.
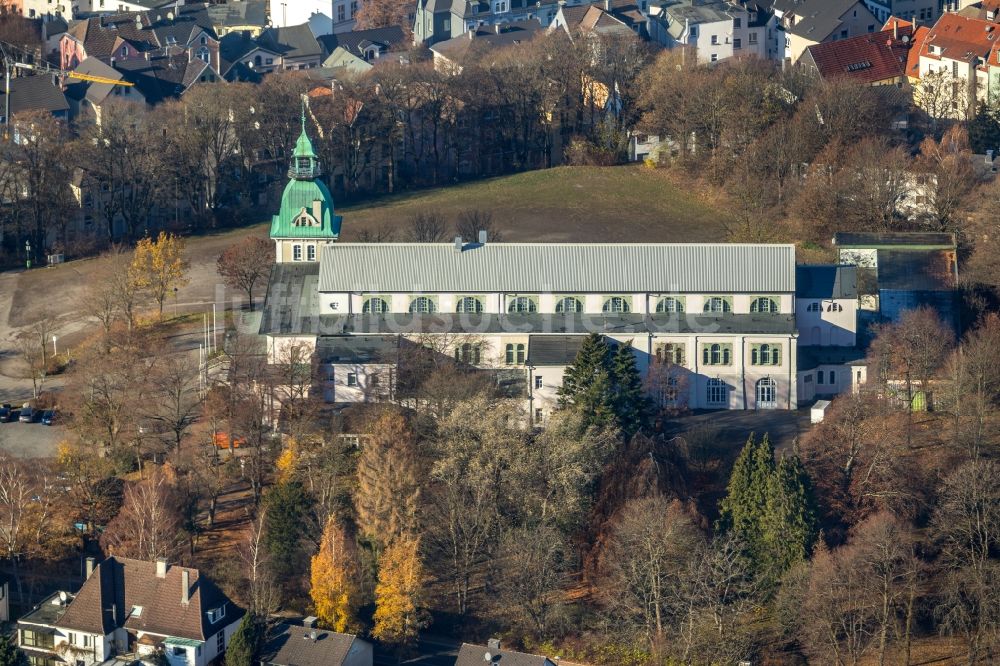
55	349
27	253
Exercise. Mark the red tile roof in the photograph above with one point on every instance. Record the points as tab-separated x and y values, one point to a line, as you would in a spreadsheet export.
961	38
916	47
866	58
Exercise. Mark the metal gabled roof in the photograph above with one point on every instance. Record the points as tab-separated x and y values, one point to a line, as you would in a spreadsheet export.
558	267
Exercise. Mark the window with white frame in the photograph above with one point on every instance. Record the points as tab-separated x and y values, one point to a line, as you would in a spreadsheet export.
717	354
468	353
514	354
522	304
717	304
717	392
469	304
296	253
814	307
834	307
616	304
352	379
310	253
538	381
375	305
764	304
670	352
669	304
422	305
765	354
220	642
569	304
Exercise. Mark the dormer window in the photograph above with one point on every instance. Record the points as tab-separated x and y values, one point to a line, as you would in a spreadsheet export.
124	51
216	614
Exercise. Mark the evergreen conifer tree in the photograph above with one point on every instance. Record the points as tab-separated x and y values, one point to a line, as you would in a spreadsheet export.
631	403
243	646
742	510
789	524
10	654
588	385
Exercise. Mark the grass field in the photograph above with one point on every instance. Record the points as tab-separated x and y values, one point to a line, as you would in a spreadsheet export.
576	204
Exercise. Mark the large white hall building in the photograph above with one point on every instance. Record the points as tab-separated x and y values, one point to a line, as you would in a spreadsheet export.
713	326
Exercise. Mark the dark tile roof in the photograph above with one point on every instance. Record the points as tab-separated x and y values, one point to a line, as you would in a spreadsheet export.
149	30
866	58
292	302
108	600
486	37
553	349
475	655
35	93
817	18
892	239
95	93
811	357
390	37
160	77
922	270
826	282
292	645
294	41
357	349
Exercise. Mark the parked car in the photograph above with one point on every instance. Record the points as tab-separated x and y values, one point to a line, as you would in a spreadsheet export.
6	413
27	414
48	416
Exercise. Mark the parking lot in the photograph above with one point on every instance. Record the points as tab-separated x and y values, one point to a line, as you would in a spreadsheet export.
30	440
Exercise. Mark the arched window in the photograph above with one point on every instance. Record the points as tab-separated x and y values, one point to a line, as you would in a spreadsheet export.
469	304
569	304
203	54
814	307
717	354
669	304
834	307
767	393
422	305
374	305
717	304
616	304
522	304
717	393
514	354
764	304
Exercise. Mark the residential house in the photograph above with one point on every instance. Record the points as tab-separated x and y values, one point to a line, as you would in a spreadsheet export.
809	22
924	11
34	93
305	645
438	20
88	98
959	66
608	17
451	54
296	44
325	17
877	59
135	609
357	51
135	35
492	655
243	58
903	271
243	16
713	30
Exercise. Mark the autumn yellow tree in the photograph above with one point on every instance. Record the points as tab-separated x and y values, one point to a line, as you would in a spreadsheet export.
334	590
398	594
388	490
158	266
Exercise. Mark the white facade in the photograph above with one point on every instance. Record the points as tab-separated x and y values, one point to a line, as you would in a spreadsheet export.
324	17
827	322
713	33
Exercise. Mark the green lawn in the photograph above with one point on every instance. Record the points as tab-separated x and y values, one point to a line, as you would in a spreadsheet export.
575	204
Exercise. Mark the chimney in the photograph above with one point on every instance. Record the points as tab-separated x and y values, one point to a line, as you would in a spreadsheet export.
458	243
185	586
89	567
318	210
607	6
493	644
161	567
895	29
309	622
482	237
